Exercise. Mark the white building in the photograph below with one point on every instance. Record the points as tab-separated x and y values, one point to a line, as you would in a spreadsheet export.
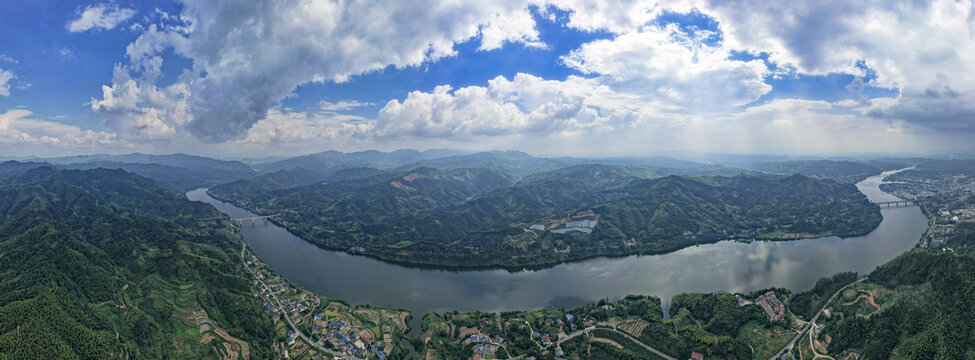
581	223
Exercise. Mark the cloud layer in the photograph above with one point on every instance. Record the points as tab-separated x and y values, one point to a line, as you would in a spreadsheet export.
647	75
17	127
248	56
5	77
100	16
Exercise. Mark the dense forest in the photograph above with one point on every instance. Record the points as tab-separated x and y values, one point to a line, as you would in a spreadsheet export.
928	315
480	216
101	264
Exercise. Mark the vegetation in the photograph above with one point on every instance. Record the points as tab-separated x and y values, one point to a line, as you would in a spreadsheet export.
808	303
105	264
927	317
177	171
841	171
533	333
281	179
480	216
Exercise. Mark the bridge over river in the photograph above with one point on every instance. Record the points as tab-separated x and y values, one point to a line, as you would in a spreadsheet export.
253	219
897	203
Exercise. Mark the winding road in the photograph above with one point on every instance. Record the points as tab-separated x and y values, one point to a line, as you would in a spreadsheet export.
633	339
812	322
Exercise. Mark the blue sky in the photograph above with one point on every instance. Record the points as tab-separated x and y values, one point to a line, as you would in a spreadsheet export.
556	77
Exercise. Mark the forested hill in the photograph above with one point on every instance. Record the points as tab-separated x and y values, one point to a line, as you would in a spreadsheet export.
101	264
468	217
842	171
917	306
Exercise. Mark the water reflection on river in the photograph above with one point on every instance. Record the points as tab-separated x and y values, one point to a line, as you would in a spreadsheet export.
722	266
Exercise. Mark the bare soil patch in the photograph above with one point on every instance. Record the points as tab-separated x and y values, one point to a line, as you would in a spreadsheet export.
608	341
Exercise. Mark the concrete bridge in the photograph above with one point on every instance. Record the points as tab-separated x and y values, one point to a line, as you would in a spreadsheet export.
897	203
253	219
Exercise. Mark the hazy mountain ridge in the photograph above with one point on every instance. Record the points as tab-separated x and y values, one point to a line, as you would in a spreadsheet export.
842	171
331	161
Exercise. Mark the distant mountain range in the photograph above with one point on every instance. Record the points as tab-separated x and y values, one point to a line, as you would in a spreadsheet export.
842	171
188	171
330	161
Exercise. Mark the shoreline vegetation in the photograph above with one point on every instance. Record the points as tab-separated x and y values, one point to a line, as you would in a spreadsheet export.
542	265
635	217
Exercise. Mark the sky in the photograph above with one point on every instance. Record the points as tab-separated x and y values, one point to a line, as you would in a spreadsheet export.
232	78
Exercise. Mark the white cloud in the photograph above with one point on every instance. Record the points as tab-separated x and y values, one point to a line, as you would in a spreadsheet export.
248	56
4	57
674	66
141	111
518	26
66	53
926	50
17	127
522	105
618	16
794	126
343	105
100	16
648	78
907	43
5	77
283	126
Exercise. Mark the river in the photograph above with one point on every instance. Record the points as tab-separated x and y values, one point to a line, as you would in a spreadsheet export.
726	266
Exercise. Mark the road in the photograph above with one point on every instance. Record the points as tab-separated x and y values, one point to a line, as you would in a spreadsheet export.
812	322
277	304
633	339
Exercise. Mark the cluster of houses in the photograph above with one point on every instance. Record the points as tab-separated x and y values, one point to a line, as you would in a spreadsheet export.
772	306
340	335
479	338
294	306
265	296
484	344
546	339
486	349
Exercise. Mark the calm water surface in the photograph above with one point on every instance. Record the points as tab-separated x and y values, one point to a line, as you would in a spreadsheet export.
723	266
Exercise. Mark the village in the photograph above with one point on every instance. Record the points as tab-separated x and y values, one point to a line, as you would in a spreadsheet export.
949	223
947	201
551	333
313	327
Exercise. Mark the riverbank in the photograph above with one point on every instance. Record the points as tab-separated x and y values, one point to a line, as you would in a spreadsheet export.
554	257
724	266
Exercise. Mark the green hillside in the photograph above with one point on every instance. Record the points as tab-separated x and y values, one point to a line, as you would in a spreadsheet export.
104	264
481	216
